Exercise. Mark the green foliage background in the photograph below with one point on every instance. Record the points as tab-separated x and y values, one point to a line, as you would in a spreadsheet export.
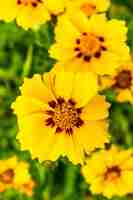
21	55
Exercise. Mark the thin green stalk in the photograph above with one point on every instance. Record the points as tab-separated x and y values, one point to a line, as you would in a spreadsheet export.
28	62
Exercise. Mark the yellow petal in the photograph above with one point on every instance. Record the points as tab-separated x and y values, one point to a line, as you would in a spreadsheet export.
93	134
36	88
25	106
55	7
84	88
64	84
96	109
8	10
29	17
125	95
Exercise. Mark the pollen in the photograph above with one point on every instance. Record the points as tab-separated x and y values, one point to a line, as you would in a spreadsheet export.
89	45
64	116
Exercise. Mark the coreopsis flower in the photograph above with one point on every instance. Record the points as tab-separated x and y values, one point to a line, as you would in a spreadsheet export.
15	174
30	13
88	7
110	172
121	81
60	114
93	44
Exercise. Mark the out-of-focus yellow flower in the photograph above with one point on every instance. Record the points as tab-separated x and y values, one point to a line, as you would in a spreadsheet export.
88	7
121	81
110	172
60	114
30	13
15	174
93	44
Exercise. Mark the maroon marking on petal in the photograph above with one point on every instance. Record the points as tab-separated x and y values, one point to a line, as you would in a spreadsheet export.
84	33
103	48
19	2
79	55
50	122
87	58
60	100
79	110
72	102
79	123
59	130
78	41
77	49
50	112
52	104
97	54
101	39
34	4
69	131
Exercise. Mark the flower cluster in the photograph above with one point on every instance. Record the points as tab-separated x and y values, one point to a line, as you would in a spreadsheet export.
62	112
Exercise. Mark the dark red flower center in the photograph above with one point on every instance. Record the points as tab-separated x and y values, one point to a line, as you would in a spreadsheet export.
7	176
123	79
64	115
112	173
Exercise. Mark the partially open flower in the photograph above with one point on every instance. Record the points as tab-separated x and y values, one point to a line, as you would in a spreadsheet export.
121	81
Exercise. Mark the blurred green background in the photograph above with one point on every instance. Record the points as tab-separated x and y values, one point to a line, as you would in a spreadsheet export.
24	53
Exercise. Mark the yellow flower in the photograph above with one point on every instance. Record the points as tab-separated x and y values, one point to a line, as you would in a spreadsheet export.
88	7
121	81
30	13
93	44
60	114
15	174
110	172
